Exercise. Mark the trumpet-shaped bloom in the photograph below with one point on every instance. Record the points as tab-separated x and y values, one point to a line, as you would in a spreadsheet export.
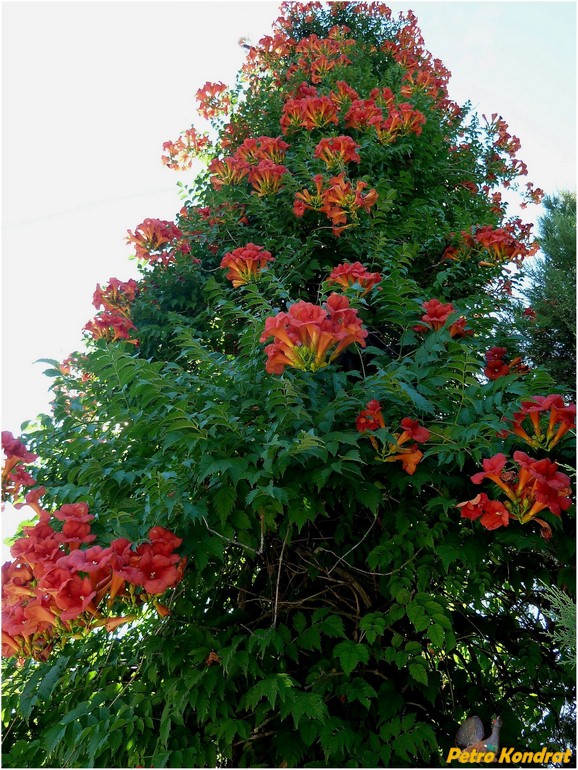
336	151
157	240
309	337
350	274
180	154
13	447
402	120
309	113
363	113
492	514
436	316
116	296
246	263
370	418
266	177
111	327
227	171
535	486
255	149
213	100
409	458
497	367
344	93
545	433
54	588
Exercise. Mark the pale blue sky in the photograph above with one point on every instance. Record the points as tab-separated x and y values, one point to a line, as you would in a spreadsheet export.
91	90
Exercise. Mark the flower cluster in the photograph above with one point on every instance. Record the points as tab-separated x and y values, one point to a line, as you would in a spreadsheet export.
116	296
389	120
157	240
257	160
354	274
246	263
54	589
114	322
436	316
266	177
503	140
371	419
318	56
265	55
255	149
213	100
543	421
498	244
180	154
532	195
535	486
309	337
310	112
111	327
496	365
336	151
14	474
227	171
338	201
343	95
421	72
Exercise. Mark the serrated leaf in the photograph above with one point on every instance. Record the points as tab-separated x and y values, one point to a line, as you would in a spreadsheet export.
373	625
333	626
310	705
361	691
350	654
417	615
310	639
420	401
224	500
437	636
418	672
447	554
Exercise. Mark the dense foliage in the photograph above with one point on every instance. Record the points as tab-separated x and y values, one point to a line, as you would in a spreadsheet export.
308	388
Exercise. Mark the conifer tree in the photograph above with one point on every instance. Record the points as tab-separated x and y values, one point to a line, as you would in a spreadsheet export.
547	321
295	501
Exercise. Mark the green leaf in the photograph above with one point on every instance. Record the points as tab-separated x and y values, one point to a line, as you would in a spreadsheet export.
350	654
269	688
437	636
332	626
418	672
418	616
299	622
448	554
373	625
309	705
224	501
361	691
